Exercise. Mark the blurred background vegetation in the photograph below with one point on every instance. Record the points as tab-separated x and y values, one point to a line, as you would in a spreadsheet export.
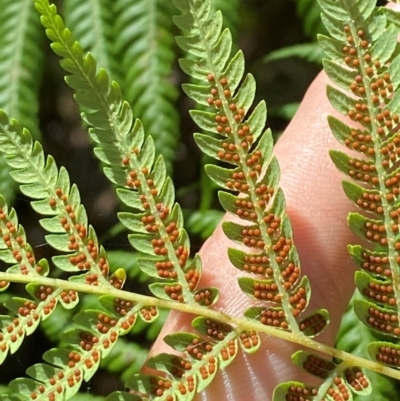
133	39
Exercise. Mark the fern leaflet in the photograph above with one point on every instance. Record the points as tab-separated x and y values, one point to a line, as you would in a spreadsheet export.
364	60
92	24
146	49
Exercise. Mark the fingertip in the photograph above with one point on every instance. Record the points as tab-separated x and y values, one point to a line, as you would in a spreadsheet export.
393	6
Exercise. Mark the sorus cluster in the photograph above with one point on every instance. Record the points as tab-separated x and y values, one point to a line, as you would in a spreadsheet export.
315	323
318	366
249	339
389	355
14	239
377	80
300	393
385	321
356	378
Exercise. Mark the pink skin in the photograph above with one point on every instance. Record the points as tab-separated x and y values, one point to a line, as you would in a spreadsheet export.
317	207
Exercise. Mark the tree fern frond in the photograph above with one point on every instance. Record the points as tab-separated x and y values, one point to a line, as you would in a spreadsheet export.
158	227
40	179
147	49
235	136
92	23
340	382
21	62
363	52
186	375
364	63
26	314
354	337
99	330
66	368
365	68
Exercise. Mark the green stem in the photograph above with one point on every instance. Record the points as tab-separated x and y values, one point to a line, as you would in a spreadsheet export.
238	322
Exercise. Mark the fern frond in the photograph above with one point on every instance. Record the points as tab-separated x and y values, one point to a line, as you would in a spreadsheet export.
340	382
364	63
158	227
40	179
146	47
21	62
201	357
235	136
92	23
26	314
66	368
99	330
362	54
354	337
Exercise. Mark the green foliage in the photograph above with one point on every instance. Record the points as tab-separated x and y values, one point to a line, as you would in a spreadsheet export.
367	69
133	42
310	52
309	11
354	337
21	62
363	64
146	48
130	163
92	23
243	144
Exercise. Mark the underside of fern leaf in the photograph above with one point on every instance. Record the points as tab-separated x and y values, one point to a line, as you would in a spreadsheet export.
131	164
364	64
157	227
364	60
235	136
69	232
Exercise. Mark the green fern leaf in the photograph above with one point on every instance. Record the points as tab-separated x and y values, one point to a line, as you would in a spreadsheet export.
94	339
340	382
21	63
56	198
122	145
92	23
354	337
26	314
366	70
146	48
203	355
241	144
